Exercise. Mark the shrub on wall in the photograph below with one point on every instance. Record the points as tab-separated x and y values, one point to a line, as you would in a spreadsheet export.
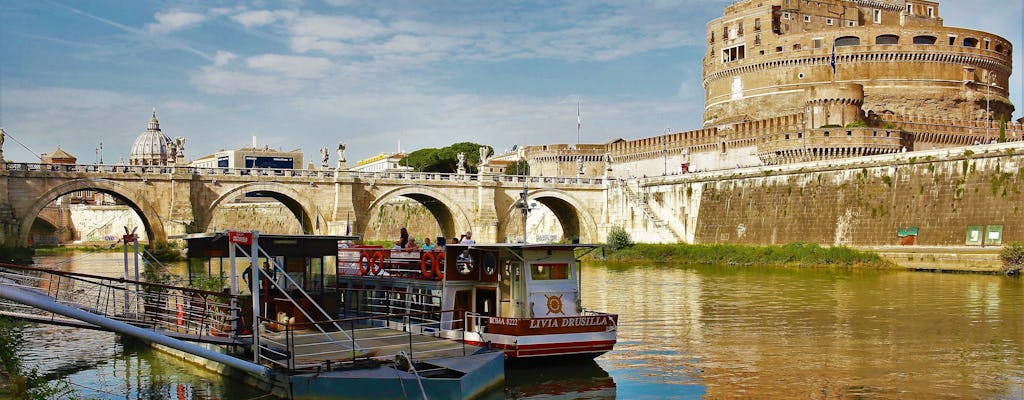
1013	258
618	238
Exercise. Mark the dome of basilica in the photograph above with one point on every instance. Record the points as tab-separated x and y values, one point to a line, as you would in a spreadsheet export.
152	147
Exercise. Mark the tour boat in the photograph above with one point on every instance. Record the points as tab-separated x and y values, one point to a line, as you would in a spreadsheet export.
521	298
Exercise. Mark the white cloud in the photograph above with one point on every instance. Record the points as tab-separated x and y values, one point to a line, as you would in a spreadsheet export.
338	27
172	21
256	18
215	80
291	66
222	58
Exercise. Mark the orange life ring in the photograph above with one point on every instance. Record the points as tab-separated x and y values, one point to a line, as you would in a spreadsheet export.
365	259
427	262
378	256
181	314
439	264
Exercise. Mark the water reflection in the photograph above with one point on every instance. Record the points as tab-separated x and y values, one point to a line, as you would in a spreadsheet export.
686	332
725	332
573	379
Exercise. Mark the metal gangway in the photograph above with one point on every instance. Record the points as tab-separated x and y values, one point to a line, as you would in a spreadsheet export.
178	312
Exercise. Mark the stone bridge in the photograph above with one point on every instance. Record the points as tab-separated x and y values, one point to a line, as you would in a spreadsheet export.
173	200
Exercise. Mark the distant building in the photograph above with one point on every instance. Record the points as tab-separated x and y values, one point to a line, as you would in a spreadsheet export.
251	157
58	156
384	162
152	147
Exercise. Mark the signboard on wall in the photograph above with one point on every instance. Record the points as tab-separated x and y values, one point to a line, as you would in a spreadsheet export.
974	235
994	235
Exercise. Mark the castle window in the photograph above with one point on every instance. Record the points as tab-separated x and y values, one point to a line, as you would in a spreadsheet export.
931	12
778	49
952	40
817	43
734	53
826	133
987	43
796	46
828	21
887	39
807	18
878	16
848	41
970	42
924	39
785	15
849	133
910	9
999	48
757	24
787	136
851	23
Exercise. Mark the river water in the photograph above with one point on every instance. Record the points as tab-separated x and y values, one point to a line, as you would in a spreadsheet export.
686	332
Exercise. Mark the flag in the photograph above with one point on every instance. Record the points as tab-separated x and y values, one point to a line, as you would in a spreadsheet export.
579	119
833	61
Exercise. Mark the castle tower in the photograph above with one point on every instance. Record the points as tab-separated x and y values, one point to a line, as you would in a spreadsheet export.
836	104
764	56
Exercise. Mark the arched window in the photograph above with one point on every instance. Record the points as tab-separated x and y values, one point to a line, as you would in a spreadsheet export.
924	39
999	48
848	41
887	39
796	46
970	42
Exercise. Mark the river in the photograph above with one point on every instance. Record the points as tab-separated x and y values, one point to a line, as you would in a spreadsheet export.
686	332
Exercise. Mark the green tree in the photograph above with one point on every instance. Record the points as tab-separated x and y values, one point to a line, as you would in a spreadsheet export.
519	167
446	159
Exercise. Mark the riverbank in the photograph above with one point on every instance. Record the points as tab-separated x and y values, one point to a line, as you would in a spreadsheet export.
942	258
790	255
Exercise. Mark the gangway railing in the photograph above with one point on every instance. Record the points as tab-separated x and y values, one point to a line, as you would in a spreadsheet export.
301	346
181	312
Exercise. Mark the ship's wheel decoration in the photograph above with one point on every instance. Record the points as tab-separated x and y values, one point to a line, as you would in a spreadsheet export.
554	304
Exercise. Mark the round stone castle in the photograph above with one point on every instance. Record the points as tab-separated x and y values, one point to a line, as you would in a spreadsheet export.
766	58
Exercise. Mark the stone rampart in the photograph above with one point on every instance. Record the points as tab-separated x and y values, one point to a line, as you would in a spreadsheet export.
861	202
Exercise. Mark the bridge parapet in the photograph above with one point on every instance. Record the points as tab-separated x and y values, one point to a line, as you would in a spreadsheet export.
314	174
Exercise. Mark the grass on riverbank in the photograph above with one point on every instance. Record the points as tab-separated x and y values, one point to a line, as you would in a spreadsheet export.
167	253
793	254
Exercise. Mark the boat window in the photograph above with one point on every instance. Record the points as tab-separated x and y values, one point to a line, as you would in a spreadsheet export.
543	272
464	264
490	263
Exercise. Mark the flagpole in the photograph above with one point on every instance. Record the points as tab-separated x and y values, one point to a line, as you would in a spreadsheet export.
579	124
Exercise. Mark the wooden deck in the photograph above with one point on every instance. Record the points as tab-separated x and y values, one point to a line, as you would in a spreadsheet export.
312	348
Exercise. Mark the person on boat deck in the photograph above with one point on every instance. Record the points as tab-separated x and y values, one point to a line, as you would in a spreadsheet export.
397	246
403	237
468	238
412	244
427	245
247	276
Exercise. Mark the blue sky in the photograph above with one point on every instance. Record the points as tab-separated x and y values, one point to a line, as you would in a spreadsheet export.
310	73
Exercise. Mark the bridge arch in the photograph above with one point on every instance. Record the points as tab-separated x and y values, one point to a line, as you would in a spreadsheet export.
291	199
572	214
451	218
136	201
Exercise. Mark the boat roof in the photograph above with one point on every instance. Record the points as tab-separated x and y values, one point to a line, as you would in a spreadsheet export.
215	244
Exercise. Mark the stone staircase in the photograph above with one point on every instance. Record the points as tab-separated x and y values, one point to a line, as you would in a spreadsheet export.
640	202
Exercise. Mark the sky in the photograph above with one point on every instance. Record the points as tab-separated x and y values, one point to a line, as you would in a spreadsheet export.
377	75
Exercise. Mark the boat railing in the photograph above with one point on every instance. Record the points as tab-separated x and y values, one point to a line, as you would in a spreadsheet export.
301	347
403	263
182	312
375	302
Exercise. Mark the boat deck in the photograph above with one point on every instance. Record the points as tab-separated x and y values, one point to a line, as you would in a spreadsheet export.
314	348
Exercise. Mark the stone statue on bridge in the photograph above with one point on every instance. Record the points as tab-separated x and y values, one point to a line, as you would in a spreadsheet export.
341	155
462	162
179	149
324	157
